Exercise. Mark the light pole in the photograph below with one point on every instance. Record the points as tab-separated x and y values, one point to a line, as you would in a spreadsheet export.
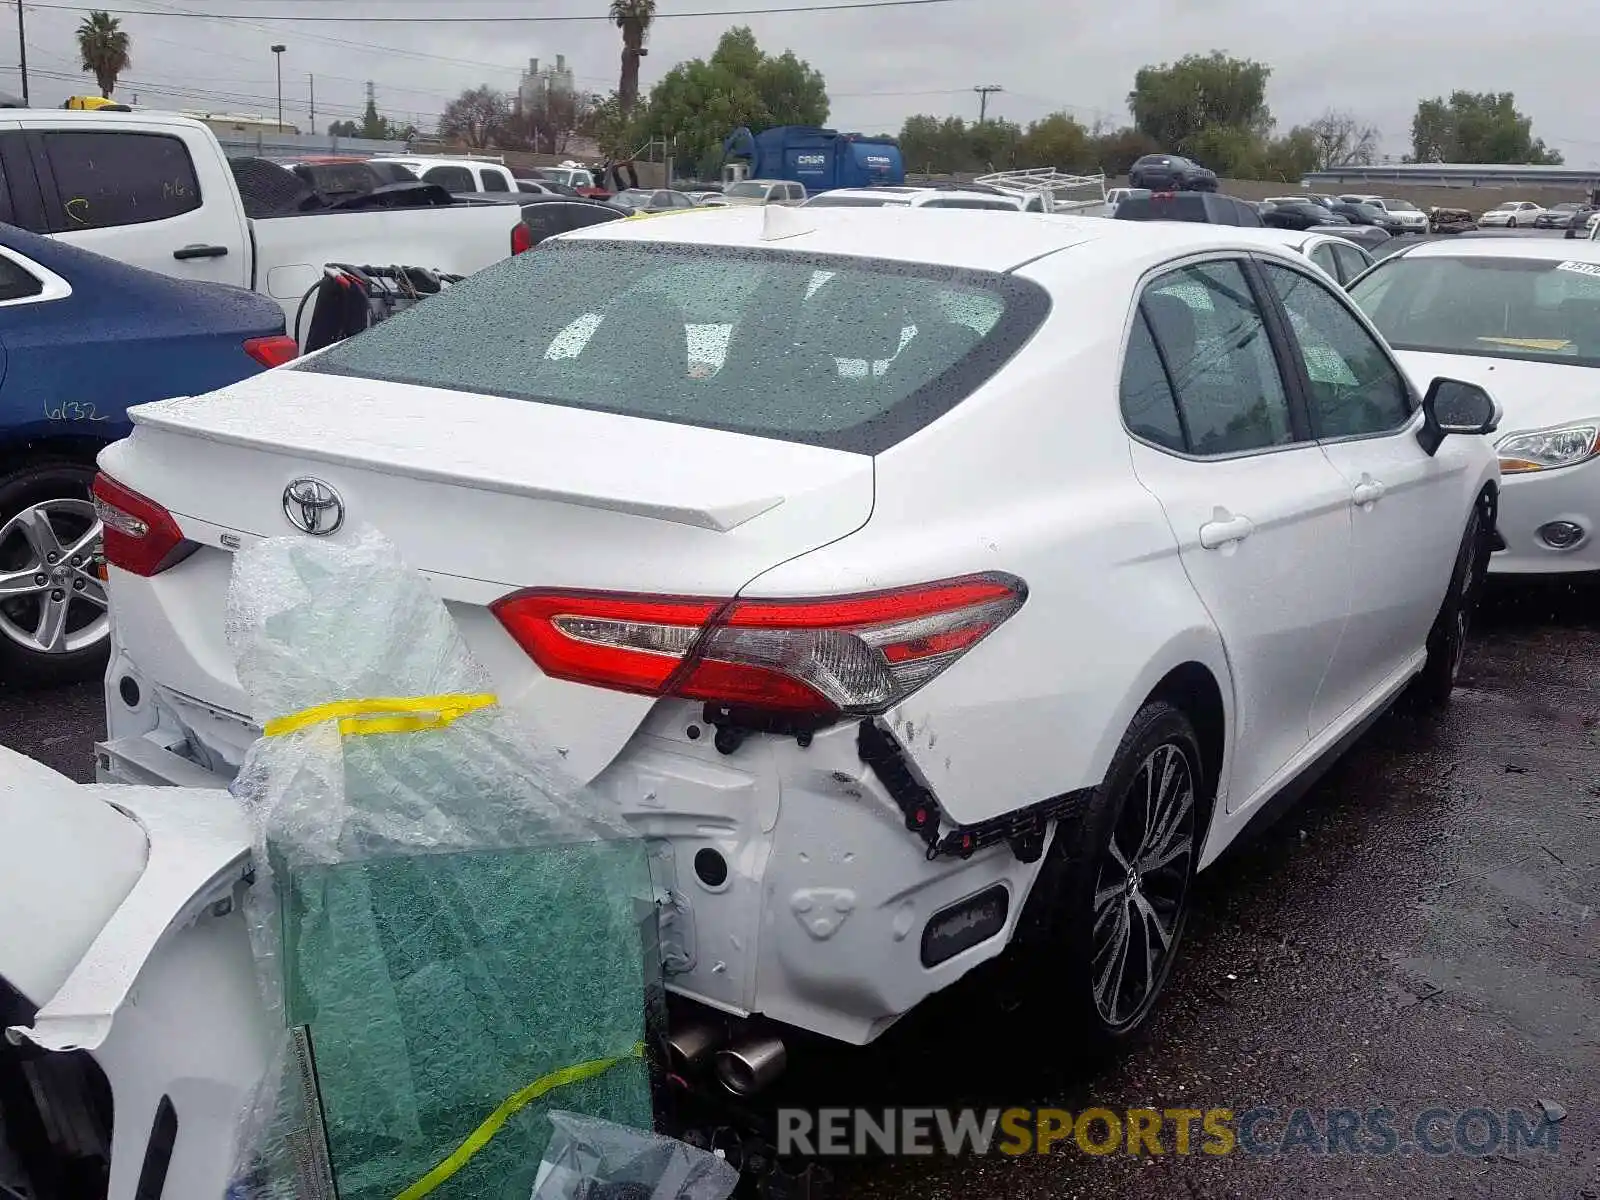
277	56
22	53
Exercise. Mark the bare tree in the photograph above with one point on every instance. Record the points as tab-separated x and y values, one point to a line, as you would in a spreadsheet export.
550	120
1342	140
476	117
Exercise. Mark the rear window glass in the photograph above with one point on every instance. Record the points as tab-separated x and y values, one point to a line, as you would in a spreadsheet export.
848	353
1494	307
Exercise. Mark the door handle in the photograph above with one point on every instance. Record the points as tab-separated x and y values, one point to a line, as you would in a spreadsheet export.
1224	529
185	253
1368	491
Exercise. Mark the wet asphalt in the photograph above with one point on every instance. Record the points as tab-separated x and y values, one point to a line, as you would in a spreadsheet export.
1422	930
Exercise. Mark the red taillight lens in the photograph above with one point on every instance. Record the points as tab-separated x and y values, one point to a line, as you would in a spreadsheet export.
521	237
273	351
138	535
845	655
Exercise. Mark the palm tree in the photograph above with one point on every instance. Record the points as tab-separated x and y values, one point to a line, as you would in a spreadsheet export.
104	48
633	17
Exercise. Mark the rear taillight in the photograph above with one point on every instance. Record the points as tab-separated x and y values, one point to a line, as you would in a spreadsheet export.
848	655
138	535
521	237
273	351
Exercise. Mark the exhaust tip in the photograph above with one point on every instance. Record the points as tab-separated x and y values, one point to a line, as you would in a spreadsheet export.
751	1065
692	1042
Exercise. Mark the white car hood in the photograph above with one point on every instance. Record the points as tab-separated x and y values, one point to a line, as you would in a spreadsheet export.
1532	395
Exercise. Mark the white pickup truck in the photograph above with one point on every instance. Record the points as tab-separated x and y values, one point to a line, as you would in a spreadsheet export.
155	190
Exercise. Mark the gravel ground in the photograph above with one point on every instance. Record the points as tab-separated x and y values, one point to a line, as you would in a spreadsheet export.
1421	930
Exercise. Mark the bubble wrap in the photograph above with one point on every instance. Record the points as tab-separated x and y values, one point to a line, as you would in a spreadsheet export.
445	914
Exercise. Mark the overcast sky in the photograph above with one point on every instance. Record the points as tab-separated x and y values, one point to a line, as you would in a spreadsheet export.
1373	58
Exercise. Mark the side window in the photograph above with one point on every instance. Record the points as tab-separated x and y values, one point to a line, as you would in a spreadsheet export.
494	181
454	180
1351	262
16	283
1219	359
1148	405
110	179
1355	387
1324	257
543	220
580	215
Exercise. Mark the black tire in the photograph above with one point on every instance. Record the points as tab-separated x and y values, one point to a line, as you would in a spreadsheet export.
1512	223
20	489
1080	940
1447	640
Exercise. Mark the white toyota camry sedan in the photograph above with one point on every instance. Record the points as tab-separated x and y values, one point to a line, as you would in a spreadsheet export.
1522	319
922	584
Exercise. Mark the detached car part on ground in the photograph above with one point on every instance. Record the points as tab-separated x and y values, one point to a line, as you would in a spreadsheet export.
81	338
884	704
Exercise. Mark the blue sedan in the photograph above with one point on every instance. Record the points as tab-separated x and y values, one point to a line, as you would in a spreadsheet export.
82	338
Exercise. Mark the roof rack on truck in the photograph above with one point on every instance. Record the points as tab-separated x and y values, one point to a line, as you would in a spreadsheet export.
1056	191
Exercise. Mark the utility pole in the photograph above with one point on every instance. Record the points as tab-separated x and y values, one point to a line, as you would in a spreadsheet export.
22	53
984	91
312	79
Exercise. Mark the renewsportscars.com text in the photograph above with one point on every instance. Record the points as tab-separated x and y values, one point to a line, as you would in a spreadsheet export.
1150	1131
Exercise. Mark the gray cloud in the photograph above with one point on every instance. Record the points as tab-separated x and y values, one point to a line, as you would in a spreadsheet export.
881	65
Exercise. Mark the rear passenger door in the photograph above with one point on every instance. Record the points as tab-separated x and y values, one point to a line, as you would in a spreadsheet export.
141	197
1260	516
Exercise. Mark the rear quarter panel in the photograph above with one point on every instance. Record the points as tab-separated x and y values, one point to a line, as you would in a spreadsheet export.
122	337
1031	475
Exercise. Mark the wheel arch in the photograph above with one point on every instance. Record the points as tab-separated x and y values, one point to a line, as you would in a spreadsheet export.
1191	688
25	452
1191	673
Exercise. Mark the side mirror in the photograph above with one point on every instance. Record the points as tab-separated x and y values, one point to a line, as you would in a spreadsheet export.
1453	406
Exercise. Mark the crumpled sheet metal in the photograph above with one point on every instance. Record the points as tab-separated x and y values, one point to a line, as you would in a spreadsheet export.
448	916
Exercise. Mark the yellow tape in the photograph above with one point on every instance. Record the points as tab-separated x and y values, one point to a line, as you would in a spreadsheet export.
479	1137
400	714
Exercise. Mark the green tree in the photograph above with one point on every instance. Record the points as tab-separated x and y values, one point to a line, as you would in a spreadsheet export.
104	48
1174	103
1476	127
633	18
1287	159
1114	151
1057	140
476	117
933	145
700	102
344	129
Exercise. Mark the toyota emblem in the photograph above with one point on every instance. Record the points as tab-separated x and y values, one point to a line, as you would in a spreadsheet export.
313	506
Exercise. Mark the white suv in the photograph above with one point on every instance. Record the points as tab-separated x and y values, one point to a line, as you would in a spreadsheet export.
1410	218
987	580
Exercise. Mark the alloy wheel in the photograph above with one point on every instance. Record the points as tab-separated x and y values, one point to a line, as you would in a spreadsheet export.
52	599
1142	886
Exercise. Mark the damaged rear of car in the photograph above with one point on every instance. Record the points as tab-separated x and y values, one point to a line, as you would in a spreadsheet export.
800	534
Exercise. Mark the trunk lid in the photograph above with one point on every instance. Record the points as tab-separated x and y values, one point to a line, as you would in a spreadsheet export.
484	494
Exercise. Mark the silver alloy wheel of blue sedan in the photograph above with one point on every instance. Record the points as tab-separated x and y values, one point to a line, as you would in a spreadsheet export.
52	599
